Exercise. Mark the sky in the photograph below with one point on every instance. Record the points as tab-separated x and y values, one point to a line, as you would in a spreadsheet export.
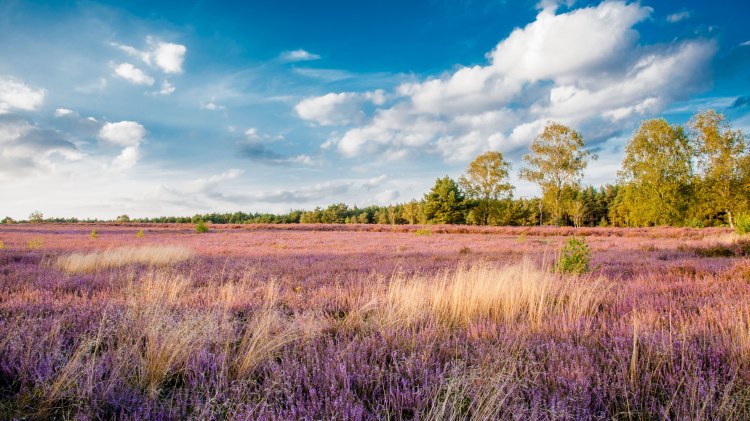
176	108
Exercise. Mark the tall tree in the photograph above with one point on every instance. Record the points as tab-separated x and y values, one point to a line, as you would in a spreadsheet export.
657	172
486	180
721	152
556	162
444	204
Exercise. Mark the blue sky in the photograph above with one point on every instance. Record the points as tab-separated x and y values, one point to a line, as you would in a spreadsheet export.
178	108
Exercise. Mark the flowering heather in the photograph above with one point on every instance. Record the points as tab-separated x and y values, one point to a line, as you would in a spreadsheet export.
371	322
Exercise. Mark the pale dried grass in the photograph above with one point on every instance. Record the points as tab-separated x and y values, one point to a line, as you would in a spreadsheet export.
147	255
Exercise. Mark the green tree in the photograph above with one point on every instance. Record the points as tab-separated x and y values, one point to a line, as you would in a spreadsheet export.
36	217
556	162
656	172
444	204
720	153
486	180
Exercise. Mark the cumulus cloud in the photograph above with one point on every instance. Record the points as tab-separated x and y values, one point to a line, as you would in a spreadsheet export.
133	74
584	68
127	134
298	55
166	56
15	94
337	108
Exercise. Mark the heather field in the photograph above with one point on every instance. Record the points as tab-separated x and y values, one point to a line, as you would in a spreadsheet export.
371	322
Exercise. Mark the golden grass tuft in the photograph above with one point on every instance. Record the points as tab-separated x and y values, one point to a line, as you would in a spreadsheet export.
149	255
513	293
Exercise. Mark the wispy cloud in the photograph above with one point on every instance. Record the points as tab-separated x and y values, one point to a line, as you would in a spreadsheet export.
679	16
298	55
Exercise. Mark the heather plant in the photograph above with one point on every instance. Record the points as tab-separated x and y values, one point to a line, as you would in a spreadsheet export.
575	257
201	227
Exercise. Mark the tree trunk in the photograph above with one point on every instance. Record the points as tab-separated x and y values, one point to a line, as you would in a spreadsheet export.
731	219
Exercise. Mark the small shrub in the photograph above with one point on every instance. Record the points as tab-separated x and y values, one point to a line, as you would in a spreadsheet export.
201	227
2	246
742	224
575	257
464	250
93	234
139	234
423	231
36	243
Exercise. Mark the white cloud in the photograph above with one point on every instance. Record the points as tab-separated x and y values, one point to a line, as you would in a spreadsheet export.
212	106
337	108
127	134
298	55
123	133
17	95
166	88
166	56
677	17
64	112
584	68
25	148
169	57
746	44
133	74
387	197
127	158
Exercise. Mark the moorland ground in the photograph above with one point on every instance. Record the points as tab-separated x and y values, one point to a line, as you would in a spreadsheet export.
371	322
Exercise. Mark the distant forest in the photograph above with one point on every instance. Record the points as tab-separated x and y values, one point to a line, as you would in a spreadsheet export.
695	175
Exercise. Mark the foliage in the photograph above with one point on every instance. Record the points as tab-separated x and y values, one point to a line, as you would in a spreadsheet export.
555	162
139	234
122	218
93	234
575	257
36	217
2	246
8	220
721	153
486	180
423	231
201	227
36	243
656	175
444	204
742	225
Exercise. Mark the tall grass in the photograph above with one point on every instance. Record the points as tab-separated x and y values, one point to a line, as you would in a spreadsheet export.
519	292
150	255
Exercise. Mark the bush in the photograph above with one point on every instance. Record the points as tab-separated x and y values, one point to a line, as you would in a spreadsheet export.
423	231
201	227
36	243
93	234
2	246
139	234
742	224
575	257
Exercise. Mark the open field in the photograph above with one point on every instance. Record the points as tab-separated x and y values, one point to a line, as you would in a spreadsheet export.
371	322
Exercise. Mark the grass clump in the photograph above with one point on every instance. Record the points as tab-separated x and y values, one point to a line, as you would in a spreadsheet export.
36	243
139	234
201	227
423	231
575	257
153	256
93	234
2	246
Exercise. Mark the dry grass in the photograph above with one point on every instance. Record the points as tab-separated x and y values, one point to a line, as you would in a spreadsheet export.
151	255
516	293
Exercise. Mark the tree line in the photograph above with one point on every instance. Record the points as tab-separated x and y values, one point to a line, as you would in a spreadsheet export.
693	175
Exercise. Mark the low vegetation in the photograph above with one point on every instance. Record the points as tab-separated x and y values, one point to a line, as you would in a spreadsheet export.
146	255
